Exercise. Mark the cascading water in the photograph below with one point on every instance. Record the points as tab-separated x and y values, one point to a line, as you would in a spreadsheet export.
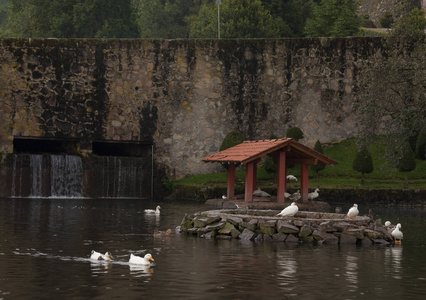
66	176
62	176
36	175
122	177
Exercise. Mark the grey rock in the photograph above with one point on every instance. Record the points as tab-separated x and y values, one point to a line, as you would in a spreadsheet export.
347	239
291	239
279	237
246	235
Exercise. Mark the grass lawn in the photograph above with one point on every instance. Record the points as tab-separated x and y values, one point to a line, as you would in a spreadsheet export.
339	176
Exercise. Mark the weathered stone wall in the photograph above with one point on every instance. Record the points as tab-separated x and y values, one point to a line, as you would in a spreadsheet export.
182	95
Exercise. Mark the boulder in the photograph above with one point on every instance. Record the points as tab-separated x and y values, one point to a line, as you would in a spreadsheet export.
186	223
267	238
268	227
204	221
246	235
380	242
284	227
347	239
235	220
291	239
279	237
305	231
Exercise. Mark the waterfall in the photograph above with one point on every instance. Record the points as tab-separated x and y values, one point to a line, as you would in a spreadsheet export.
36	175
122	177
66	176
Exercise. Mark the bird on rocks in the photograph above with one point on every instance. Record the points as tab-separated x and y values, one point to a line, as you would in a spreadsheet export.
291	178
260	193
99	256
289	211
353	212
223	197
338	210
295	196
389	227
397	234
314	194
287	195
137	260
151	211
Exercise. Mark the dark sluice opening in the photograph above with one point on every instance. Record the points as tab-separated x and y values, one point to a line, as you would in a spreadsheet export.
40	146
121	149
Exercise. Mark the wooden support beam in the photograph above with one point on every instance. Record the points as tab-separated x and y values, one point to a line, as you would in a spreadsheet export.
281	178
231	181
249	180
304	175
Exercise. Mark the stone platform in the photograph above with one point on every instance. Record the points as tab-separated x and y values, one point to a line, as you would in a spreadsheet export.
248	224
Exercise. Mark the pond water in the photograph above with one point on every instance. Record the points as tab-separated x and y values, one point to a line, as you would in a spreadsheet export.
45	246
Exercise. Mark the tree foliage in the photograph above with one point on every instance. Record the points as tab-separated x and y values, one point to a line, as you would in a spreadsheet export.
238	19
231	139
393	88
407	162
71	18
333	18
295	133
421	144
363	162
317	168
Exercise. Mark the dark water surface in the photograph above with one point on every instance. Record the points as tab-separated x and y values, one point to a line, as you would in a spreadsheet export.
45	246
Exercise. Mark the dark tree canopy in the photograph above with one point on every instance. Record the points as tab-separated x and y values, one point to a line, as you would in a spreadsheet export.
363	162
317	168
295	133
407	162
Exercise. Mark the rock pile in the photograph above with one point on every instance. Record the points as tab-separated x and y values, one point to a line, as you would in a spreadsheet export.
304	227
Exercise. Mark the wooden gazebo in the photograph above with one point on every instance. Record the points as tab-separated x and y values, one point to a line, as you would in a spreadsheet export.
283	151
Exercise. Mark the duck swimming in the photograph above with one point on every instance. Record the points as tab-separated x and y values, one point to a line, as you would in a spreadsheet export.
151	211
137	260
99	256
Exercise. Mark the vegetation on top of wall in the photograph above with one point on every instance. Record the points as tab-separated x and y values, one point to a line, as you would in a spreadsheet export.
338	176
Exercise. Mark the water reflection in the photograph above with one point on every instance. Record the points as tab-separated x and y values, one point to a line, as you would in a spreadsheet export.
42	242
393	259
352	272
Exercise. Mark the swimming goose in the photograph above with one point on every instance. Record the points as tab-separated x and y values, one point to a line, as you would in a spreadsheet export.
137	260
151	211
99	256
314	194
289	211
397	234
353	212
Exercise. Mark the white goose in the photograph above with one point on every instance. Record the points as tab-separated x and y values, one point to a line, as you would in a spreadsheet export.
289	211
295	196
260	193
389	227
137	260
291	178
314	194
397	234
99	256
151	211
353	212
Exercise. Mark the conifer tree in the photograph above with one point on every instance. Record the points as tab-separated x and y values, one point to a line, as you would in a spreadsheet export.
421	144
407	162
317	168
363	162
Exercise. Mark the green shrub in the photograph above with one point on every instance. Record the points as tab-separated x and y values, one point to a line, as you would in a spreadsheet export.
295	133
407	162
421	144
232	139
363	162
386	20
317	168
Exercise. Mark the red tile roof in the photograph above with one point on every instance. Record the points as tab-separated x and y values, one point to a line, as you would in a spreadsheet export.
252	150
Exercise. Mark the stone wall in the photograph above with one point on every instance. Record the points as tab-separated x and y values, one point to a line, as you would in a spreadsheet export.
184	96
304	227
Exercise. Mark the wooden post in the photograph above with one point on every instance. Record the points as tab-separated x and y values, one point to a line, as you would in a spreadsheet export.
304	182
281	178
248	197
231	181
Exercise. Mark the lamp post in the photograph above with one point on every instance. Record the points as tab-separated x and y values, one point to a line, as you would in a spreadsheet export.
218	2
